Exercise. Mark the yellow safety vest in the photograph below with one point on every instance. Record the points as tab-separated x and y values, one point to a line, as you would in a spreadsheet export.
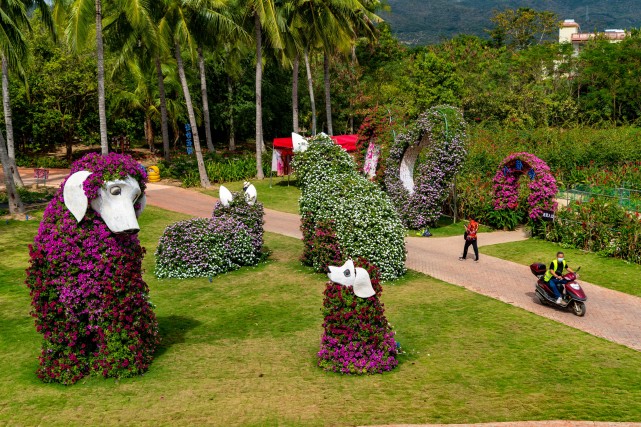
548	275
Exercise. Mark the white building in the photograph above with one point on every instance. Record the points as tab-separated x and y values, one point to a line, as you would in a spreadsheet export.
570	32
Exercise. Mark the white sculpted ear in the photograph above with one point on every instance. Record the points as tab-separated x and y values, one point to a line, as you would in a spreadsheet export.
299	143
251	195
74	195
225	196
142	202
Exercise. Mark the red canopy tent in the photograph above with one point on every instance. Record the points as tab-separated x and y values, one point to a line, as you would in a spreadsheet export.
348	142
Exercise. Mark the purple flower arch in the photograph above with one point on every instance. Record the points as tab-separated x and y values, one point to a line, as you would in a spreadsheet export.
418	200
542	184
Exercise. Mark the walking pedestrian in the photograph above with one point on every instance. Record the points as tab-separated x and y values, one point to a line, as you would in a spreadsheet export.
470	239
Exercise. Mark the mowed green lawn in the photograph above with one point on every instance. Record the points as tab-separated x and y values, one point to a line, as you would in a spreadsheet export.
607	272
279	194
241	351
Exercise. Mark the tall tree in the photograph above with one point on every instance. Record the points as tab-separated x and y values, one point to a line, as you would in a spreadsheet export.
265	19
519	28
13	50
13	197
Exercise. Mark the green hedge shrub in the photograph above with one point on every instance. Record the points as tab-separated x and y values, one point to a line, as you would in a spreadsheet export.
361	216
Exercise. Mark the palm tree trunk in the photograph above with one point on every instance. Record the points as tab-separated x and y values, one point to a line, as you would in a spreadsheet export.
15	203
163	110
310	86
102	112
6	102
149	132
204	179
230	99
328	96
259	98
295	94
203	89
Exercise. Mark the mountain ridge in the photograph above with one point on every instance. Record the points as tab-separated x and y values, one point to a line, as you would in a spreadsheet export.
417	22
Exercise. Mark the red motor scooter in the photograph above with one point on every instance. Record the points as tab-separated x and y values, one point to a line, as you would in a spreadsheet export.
573	296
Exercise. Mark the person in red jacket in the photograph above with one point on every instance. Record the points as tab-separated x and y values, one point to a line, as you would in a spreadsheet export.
470	239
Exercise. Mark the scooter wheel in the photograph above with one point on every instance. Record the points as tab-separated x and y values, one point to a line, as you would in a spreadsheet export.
578	308
541	300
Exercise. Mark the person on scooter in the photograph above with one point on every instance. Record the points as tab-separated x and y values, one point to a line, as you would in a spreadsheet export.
554	275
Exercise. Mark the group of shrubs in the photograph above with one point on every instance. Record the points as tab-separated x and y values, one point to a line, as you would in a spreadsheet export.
220	168
201	247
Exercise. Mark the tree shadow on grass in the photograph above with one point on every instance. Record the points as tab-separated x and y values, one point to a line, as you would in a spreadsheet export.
172	330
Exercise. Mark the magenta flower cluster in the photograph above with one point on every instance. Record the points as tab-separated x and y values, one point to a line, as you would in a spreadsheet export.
542	184
202	247
357	338
442	130
89	300
113	166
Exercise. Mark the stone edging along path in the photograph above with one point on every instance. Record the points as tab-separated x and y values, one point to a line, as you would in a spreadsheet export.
612	315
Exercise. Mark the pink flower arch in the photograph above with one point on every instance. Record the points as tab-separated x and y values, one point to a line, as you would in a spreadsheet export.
542	184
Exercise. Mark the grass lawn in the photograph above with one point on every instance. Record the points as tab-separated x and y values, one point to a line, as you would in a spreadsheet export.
280	197
241	351
446	228
603	271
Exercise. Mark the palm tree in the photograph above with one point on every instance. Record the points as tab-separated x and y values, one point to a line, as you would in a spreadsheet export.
266	20
15	203
13	48
81	16
141	38
342	21
176	25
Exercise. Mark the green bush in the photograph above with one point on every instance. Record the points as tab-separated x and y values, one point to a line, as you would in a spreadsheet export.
219	169
336	199
600	226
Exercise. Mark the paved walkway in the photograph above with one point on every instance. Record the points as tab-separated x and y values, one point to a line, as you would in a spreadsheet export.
612	315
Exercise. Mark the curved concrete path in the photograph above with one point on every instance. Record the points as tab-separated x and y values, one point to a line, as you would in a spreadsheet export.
612	315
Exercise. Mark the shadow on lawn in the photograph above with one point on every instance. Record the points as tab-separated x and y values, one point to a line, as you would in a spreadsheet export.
172	330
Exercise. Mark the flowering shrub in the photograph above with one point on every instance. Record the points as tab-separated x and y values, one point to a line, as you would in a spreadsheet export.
441	131
201	247
357	338
542	185
250	215
321	246
89	300
337	201
598	225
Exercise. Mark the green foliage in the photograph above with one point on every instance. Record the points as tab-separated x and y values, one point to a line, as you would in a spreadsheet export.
219	169
432	81
359	213
599	225
523	27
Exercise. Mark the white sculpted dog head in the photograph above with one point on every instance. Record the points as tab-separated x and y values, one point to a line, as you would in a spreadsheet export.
115	202
356	277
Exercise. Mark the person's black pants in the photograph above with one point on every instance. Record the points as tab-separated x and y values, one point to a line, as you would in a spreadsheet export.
474	245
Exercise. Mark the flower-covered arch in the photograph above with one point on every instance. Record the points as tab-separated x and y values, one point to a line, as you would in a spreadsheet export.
542	184
419	200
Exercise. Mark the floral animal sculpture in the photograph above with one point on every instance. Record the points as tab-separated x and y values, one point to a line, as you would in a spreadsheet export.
89	299
357	339
343	214
202	247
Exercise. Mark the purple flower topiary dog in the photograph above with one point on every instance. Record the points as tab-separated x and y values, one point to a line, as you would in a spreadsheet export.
89	299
